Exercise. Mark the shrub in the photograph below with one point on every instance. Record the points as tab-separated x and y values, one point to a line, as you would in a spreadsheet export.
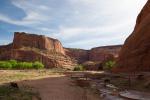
109	65
79	68
38	65
5	65
25	65
13	63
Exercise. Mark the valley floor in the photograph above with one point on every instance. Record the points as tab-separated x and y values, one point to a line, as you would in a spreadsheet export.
50	86
64	85
59	87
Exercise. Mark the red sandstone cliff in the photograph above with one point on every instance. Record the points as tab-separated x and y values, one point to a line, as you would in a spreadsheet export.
135	54
37	41
31	47
80	55
98	54
104	53
93	59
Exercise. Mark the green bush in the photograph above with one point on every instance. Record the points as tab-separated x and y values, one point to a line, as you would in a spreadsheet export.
13	64
5	65
38	65
109	65
79	68
25	65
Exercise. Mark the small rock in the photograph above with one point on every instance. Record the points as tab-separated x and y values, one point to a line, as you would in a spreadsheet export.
107	81
14	85
147	85
140	77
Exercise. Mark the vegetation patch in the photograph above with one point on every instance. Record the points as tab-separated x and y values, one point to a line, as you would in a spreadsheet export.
109	65
13	64
79	68
10	93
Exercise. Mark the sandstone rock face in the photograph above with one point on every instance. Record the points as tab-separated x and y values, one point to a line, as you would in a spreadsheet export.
79	55
49	60
5	48
104	53
30	47
28	56
36	41
94	66
135	53
95	55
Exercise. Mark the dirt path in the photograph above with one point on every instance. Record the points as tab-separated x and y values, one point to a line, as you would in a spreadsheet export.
60	88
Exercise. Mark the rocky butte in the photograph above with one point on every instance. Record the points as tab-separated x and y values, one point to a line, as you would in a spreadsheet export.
37	41
31	47
49	51
135	53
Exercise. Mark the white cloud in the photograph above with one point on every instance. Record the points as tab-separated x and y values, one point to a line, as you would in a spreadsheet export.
16	22
83	23
86	33
34	14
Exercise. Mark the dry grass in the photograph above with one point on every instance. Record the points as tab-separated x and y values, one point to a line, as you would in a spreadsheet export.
19	75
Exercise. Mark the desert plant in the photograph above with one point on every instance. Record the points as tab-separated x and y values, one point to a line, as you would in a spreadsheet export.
5	65
13	63
79	68
25	65
38	65
109	65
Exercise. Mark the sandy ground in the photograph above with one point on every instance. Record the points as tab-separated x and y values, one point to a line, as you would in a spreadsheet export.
59	87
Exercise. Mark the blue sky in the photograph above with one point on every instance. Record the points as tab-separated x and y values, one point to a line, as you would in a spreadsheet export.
76	23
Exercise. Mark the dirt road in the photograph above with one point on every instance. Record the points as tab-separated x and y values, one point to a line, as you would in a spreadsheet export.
60	87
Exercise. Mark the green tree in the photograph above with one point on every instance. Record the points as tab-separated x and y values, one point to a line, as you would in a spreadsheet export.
38	65
5	65
25	65
79	68
109	65
13	63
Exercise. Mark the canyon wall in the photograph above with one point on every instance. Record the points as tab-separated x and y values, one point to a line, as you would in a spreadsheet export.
49	51
80	55
36	41
135	53
104	53
98	54
31	47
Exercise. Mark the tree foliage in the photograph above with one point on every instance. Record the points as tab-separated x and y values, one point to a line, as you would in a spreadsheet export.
79	68
109	65
13	64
